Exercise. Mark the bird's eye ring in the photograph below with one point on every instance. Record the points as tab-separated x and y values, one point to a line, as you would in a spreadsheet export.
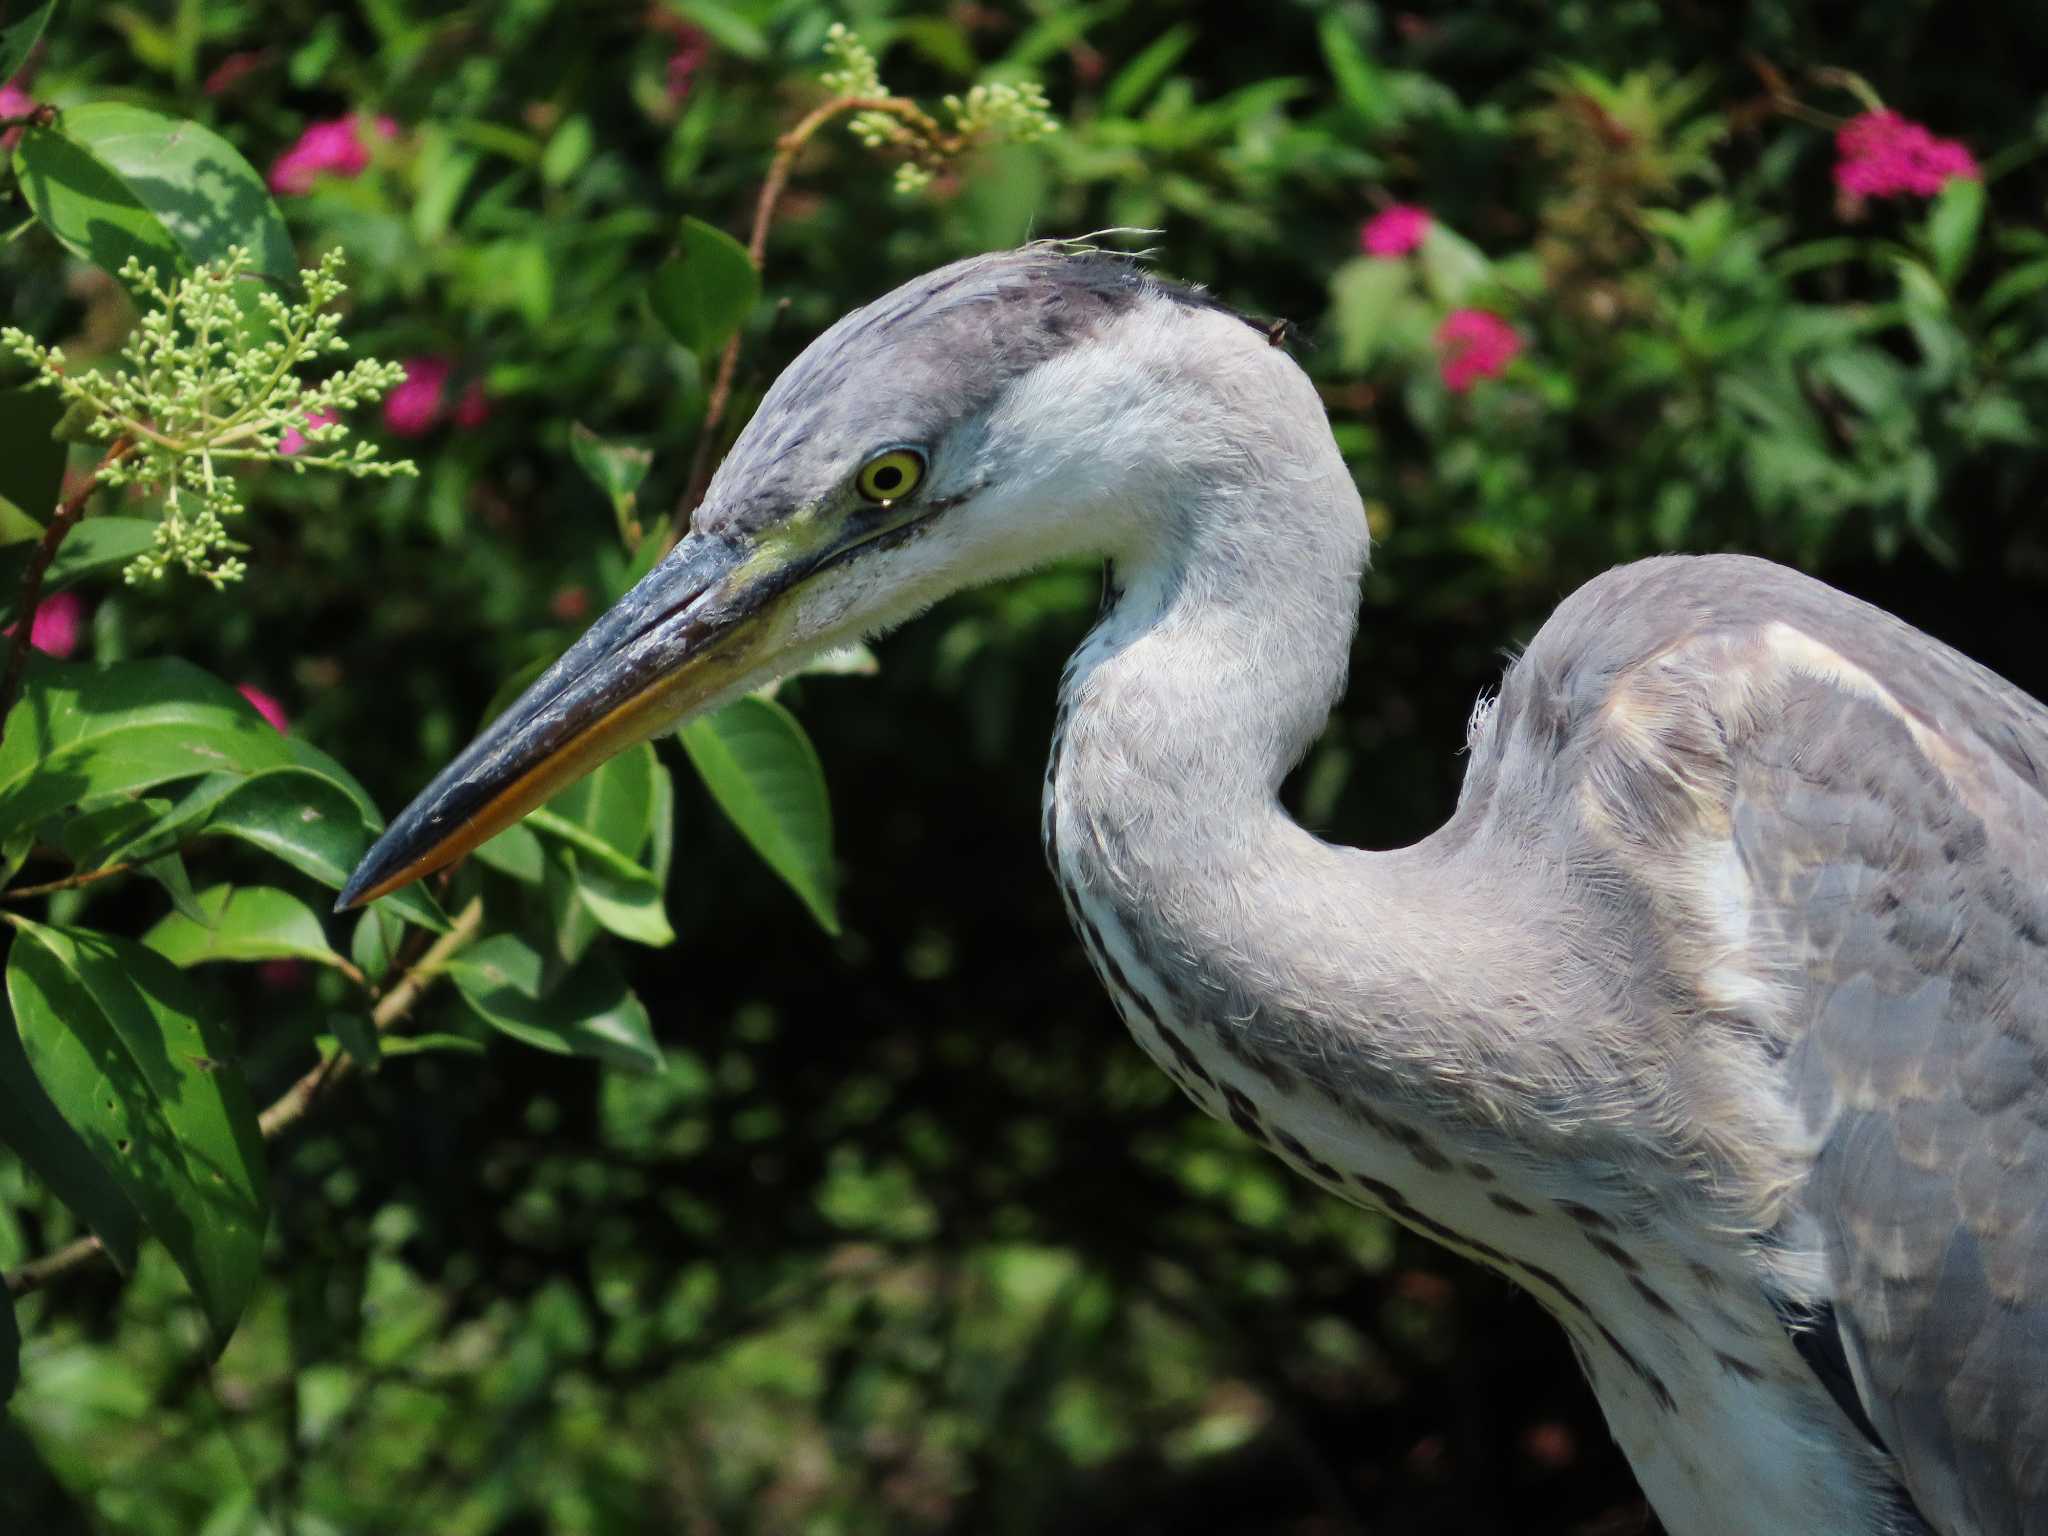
890	476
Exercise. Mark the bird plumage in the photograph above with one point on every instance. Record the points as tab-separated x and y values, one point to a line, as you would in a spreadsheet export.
1717	1013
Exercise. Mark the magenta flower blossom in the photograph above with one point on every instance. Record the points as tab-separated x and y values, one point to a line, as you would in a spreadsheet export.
1882	154
59	623
692	47
413	409
473	409
264	705
1394	231
14	102
291	440
335	147
1476	344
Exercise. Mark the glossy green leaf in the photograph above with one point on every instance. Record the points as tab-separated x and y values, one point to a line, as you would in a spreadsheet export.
81	733
119	1041
96	547
705	291
31	460
515	852
249	922
374	945
590	1013
112	181
606	821
295	813
168	871
764	773
17	38
54	1152
88	837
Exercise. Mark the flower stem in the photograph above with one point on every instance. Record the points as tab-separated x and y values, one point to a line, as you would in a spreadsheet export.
62	521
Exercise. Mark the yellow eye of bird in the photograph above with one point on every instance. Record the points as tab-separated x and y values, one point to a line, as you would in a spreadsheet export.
890	476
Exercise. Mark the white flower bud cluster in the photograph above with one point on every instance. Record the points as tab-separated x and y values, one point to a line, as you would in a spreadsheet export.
206	382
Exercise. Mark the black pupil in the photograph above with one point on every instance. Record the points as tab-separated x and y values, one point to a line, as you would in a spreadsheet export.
888	477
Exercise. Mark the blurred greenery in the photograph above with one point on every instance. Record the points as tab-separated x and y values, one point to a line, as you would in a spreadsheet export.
902	1234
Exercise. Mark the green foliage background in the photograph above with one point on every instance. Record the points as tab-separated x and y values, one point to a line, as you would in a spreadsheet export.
907	1236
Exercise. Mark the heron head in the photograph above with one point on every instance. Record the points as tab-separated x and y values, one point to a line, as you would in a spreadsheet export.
983	419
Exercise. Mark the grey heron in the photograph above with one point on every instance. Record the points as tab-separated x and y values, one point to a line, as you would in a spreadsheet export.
1717	1014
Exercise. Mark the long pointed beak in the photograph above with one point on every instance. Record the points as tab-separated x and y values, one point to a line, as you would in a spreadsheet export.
680	639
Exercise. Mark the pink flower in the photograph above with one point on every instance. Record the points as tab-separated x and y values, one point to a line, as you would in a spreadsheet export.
1882	154
264	705
1394	231
281	975
331	148
59	621
14	102
692	47
473	409
413	409
291	440
1476	344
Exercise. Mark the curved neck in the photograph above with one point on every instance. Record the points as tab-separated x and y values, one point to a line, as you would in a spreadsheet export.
1215	667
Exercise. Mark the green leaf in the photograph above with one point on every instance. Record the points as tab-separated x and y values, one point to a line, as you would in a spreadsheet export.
705	291
732	32
295	813
375	942
10	1344
249	922
95	547
1138	79
19	37
168	871
413	1045
119	1041
515	852
1952	225
88	837
1364	295
1358	78
764	773
1453	268
82	733
359	1038
591	1013
2021	282
31	459
606	820
112	181
53	1151
614	468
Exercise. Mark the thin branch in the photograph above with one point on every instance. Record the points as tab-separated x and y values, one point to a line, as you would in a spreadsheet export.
392	1007
62	521
68	883
937	144
291	1105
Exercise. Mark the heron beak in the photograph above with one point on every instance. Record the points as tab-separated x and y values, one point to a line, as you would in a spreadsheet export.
700	622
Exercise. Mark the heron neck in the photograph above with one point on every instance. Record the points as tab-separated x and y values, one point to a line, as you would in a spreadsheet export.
1223	648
